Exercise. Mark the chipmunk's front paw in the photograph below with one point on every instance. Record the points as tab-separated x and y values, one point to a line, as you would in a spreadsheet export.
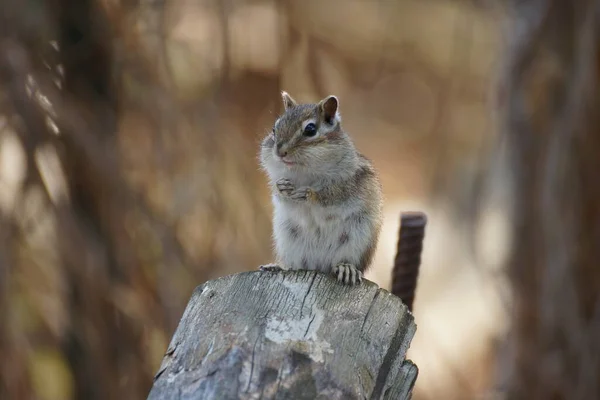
301	194
288	189
285	186
348	274
270	268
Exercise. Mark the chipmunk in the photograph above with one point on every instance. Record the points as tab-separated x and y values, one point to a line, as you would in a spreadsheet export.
326	196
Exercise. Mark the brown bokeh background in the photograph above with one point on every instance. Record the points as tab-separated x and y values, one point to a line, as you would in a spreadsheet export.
129	134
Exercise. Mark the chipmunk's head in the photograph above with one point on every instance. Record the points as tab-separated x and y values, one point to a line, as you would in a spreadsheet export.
307	136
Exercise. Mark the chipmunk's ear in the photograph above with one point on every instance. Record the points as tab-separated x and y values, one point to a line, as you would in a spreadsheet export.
329	109
288	102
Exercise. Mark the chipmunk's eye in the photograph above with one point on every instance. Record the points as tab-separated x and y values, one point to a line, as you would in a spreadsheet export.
310	130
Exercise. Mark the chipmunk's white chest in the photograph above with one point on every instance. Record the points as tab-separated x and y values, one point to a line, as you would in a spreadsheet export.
309	236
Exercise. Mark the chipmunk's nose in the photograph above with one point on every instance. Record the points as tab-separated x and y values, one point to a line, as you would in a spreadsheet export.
280	152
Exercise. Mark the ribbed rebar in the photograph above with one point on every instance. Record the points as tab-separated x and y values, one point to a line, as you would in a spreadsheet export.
408	256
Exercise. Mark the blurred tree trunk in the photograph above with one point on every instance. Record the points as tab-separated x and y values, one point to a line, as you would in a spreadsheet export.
101	343
95	218
73	73
552	122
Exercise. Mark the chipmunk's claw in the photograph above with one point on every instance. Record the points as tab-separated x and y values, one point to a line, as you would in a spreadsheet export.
348	274
270	268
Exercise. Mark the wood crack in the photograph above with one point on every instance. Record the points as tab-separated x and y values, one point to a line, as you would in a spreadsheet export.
369	310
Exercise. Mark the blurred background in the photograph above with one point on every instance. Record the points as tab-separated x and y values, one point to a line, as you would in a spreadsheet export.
129	135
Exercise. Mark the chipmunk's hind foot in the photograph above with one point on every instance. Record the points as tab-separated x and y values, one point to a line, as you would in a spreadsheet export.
270	268
348	274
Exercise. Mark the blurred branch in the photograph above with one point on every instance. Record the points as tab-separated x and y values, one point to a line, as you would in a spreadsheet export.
83	130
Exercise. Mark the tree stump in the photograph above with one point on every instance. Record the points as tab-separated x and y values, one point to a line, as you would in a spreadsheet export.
289	335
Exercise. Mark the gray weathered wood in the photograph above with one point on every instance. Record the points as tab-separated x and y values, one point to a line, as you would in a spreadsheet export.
289	335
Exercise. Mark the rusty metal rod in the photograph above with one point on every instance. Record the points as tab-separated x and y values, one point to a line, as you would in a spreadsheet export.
408	256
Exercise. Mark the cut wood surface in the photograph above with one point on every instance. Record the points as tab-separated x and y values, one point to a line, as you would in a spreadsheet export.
289	335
